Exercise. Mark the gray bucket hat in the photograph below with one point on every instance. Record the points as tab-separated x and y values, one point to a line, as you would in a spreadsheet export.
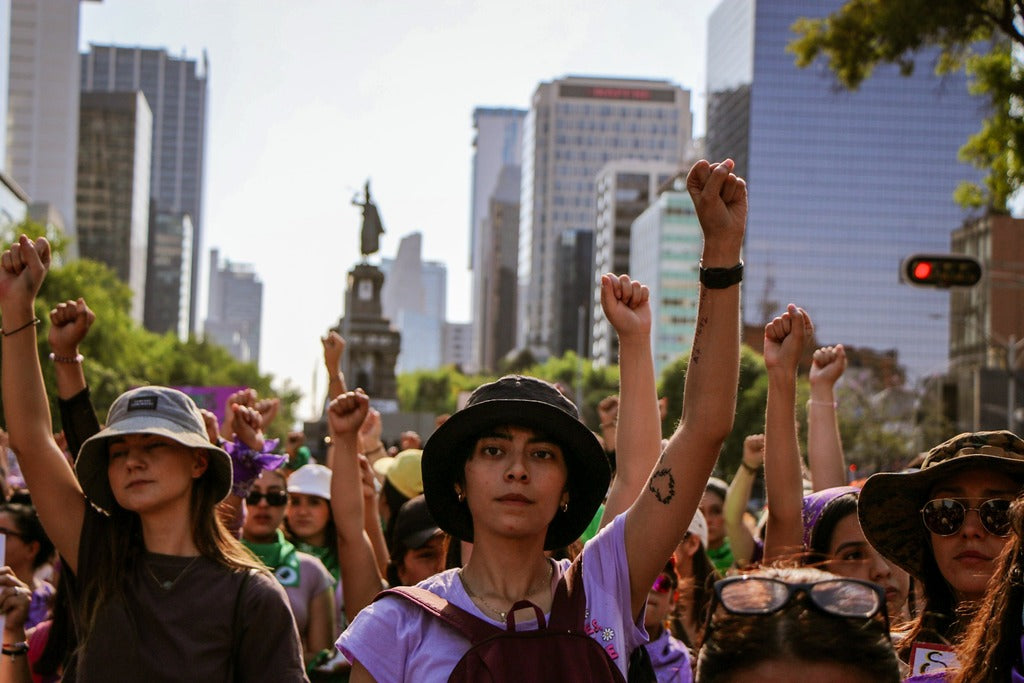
149	410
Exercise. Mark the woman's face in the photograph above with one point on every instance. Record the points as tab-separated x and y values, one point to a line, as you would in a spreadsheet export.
264	519
19	553
711	505
851	555
660	601
308	516
967	558
515	480
150	473
423	562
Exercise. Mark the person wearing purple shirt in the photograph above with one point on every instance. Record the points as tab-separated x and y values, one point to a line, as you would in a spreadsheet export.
517	473
670	657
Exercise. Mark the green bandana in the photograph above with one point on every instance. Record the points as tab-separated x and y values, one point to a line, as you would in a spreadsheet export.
279	556
326	554
721	557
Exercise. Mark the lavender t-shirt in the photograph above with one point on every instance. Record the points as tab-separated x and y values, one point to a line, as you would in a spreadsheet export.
398	641
670	658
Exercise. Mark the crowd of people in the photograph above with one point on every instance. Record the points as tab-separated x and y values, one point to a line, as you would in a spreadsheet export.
515	543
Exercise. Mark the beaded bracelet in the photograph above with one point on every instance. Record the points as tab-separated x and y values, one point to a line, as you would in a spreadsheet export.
77	358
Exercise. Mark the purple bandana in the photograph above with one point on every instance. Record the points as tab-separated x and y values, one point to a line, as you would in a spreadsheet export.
815	504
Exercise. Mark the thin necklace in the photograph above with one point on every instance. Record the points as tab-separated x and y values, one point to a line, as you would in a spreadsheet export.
491	608
169	583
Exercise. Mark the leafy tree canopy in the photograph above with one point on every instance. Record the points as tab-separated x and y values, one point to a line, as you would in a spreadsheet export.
120	354
982	37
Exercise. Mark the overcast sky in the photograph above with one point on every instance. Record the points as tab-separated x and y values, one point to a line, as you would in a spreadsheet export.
309	98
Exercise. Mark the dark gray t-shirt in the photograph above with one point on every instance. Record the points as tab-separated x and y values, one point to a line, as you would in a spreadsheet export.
188	631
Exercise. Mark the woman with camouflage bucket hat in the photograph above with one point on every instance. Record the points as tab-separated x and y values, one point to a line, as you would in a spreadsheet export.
946	524
163	591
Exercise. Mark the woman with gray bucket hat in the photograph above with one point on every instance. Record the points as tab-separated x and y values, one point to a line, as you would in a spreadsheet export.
517	473
163	591
946	524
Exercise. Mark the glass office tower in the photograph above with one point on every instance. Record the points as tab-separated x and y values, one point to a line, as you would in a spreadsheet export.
843	185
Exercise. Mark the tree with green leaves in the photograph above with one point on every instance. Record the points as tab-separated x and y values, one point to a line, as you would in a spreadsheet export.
981	37
120	354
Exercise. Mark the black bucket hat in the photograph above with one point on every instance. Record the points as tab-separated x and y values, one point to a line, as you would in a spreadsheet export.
527	402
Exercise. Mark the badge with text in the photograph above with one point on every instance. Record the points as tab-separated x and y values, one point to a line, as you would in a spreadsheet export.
931	658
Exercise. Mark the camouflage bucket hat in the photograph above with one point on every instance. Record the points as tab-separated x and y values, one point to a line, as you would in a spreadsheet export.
890	503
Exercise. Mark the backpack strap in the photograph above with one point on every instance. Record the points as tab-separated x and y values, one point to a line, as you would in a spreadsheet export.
471	627
568	610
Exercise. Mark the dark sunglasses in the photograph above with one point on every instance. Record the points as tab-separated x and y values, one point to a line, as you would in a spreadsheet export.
946	516
663	584
274	498
762	595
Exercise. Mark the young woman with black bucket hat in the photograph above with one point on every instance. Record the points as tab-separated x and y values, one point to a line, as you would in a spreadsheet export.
517	473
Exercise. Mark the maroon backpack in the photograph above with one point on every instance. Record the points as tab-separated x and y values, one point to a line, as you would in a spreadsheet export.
558	650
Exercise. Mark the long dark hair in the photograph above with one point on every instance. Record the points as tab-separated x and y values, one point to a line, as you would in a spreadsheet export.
117	554
700	589
991	643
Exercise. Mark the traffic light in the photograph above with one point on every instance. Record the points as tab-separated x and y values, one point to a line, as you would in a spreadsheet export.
941	270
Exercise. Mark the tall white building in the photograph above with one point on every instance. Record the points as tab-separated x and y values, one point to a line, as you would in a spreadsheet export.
414	299
625	188
665	248
42	103
235	308
497	154
574	127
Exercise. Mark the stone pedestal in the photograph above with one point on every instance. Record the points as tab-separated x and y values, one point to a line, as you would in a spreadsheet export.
372	347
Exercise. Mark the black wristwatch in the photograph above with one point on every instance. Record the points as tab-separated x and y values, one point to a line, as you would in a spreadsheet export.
721	278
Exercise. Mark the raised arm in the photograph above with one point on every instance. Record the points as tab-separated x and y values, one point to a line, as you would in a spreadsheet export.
738	496
783	344
627	306
824	446
55	491
69	324
360	578
661	514
334	347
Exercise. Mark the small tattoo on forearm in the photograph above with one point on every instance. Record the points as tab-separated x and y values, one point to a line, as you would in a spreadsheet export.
663	485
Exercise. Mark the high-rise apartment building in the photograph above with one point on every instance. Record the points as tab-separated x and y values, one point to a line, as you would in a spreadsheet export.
497	153
115	134
169	274
494	327
625	188
842	185
574	127
176	91
235	308
666	243
41	113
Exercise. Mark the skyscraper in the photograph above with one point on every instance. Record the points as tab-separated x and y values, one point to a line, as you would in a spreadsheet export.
235	308
169	274
112	214
842	185
41	116
414	299
575	126
495	319
176	91
497	153
625	188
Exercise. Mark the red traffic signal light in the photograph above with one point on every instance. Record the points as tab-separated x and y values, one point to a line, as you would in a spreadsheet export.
941	270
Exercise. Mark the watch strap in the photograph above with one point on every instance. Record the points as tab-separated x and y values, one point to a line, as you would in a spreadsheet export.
721	278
